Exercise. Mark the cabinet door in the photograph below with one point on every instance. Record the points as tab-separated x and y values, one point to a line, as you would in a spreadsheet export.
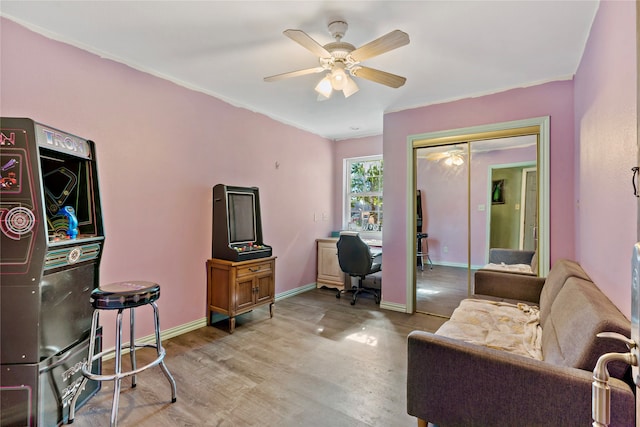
244	292
328	265
265	287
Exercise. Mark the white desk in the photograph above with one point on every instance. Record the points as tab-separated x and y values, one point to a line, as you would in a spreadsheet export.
329	273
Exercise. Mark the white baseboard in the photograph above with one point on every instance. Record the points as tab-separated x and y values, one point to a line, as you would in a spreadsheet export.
392	306
295	291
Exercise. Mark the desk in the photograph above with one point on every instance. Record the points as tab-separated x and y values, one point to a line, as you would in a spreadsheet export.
375	246
373	242
328	267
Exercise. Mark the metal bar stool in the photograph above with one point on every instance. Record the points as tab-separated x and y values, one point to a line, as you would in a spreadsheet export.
120	296
422	254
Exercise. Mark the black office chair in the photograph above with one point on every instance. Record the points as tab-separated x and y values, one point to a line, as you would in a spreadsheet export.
356	260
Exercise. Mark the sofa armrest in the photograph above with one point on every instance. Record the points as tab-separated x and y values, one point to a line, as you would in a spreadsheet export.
507	285
451	382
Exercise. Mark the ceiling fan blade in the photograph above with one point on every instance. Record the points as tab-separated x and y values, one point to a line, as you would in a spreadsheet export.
293	74
390	41
378	76
307	42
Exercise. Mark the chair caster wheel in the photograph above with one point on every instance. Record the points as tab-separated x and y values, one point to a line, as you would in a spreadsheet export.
338	295
353	302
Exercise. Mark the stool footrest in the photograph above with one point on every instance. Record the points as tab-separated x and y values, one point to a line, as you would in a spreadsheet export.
116	376
114	351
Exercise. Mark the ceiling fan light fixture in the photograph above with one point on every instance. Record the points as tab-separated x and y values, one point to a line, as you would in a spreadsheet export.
338	77
350	87
454	160
324	86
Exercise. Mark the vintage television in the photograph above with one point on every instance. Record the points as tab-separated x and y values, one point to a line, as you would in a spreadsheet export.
237	224
51	243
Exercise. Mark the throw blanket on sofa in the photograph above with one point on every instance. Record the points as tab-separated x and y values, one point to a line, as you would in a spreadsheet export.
514	328
512	268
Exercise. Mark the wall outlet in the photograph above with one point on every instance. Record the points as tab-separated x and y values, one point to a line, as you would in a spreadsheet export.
325	216
445	249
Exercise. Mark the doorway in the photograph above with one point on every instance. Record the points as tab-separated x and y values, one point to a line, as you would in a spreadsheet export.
458	203
512	220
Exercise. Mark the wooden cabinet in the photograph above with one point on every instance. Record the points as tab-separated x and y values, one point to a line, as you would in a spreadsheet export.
329	273
236	287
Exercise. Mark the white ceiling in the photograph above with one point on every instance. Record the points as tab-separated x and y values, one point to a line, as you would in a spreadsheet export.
458	49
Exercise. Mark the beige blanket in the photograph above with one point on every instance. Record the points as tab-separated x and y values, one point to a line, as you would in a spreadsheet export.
512	268
500	325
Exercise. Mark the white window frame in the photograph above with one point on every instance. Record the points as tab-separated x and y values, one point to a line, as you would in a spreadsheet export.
346	200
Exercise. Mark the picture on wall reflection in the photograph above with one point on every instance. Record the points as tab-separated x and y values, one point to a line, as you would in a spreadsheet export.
497	192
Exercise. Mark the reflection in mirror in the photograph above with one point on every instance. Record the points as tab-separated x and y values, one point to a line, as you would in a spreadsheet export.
442	179
503	197
475	196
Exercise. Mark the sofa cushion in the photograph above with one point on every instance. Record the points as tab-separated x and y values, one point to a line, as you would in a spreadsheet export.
579	312
559	273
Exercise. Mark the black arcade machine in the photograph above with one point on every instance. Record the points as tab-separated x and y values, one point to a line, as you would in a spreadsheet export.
237	224
51	242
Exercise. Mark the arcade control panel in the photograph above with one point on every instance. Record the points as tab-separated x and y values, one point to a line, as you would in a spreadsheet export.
249	247
251	251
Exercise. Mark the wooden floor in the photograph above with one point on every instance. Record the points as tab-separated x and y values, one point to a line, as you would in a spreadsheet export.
318	362
440	289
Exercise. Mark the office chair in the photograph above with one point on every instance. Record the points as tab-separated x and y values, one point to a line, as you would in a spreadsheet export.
355	259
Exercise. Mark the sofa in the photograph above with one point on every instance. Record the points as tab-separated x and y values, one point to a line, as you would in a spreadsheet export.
454	382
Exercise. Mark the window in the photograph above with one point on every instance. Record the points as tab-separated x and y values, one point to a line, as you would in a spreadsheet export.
363	195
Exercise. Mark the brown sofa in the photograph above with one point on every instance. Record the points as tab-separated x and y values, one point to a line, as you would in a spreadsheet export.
455	383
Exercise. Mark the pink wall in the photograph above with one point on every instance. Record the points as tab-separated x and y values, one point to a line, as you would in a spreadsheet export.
355	147
160	149
606	141
551	99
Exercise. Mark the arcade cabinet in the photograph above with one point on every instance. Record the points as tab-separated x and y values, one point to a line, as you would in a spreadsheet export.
241	273
237	224
51	242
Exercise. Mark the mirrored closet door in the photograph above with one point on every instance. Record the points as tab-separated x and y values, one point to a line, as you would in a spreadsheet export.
472	195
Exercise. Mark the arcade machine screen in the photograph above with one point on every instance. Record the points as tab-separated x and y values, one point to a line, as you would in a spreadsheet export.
68	197
242	225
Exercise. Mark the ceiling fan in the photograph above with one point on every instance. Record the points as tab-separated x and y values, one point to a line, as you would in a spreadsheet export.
340	59
450	155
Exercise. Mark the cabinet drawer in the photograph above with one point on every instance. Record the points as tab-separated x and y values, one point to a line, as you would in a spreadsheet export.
261	268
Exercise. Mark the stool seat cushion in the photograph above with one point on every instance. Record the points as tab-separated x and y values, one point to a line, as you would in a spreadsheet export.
120	295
